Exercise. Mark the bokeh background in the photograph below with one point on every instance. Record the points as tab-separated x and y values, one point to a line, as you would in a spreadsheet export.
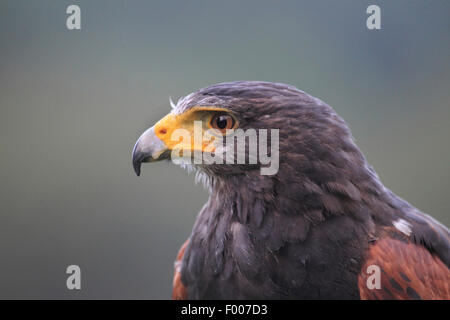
72	104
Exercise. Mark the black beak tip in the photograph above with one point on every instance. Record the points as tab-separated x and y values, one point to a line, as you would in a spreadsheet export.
137	161
137	167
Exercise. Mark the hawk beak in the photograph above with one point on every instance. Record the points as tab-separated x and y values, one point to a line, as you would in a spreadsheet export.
149	148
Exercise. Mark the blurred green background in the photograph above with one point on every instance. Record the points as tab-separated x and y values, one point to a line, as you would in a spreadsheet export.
72	104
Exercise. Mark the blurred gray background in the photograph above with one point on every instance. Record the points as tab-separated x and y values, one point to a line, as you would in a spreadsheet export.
72	104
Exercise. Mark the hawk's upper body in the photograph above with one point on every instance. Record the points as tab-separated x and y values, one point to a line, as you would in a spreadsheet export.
313	230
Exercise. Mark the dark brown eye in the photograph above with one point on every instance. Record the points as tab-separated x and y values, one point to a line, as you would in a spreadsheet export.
223	122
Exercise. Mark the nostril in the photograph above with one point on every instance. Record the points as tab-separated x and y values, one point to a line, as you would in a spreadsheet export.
163	131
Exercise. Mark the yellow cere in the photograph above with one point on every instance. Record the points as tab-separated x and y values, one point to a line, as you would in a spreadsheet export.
177	130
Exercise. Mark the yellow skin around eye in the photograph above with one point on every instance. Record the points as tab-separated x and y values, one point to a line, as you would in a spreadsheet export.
174	129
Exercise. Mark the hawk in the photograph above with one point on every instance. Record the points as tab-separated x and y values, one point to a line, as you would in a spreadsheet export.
322	227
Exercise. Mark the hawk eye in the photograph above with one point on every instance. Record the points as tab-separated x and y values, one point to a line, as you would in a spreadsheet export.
223	122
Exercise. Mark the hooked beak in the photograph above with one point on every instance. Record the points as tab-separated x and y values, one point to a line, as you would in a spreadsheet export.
149	148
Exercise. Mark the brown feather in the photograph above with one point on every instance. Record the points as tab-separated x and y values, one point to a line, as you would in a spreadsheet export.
408	271
179	291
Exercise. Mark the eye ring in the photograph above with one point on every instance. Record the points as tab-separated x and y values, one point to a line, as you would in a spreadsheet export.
223	122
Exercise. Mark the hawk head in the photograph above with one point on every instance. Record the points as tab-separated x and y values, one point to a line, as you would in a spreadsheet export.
283	130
